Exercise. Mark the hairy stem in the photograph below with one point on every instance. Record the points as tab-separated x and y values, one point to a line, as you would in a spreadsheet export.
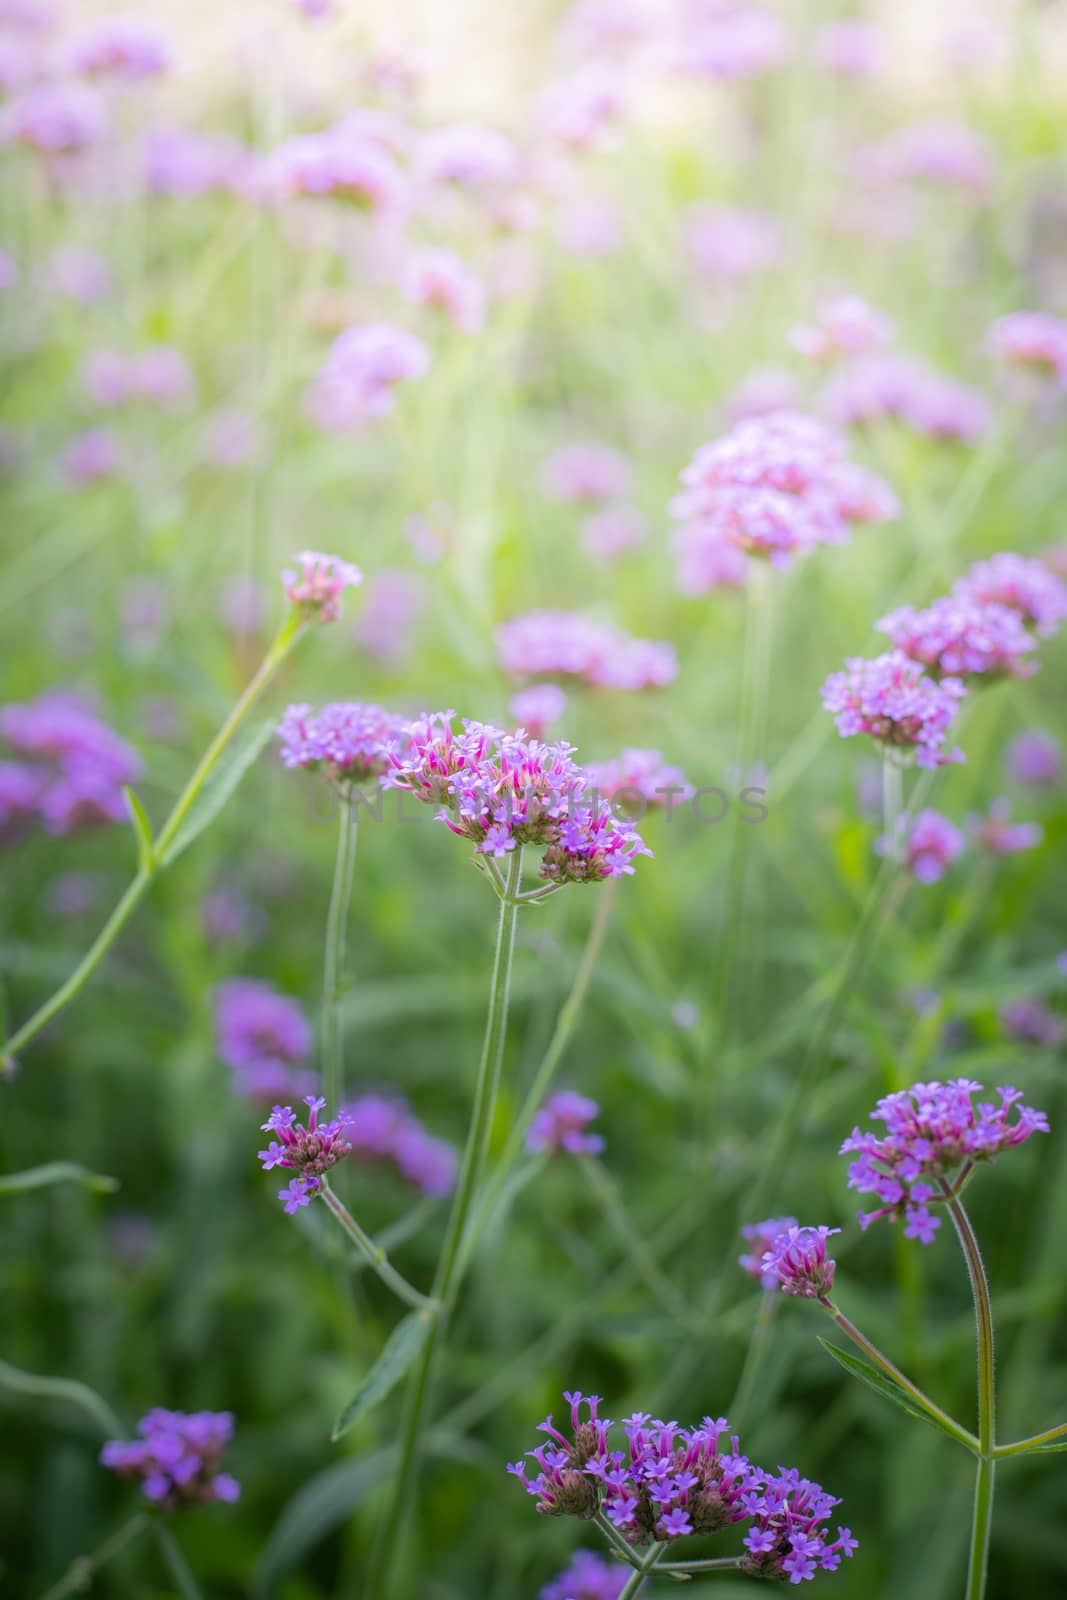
984	1482
333	1044
636	1581
1021	1446
375	1256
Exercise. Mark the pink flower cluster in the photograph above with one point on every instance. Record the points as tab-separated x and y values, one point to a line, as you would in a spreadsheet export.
957	637
356	383
797	1262
731	242
565	644
1027	587
348	741
261	1035
999	835
158	374
890	698
120	47
438	280
502	792
774	486
561	1124
54	118
639	779
177	1458
930	845
932	1130
75	766
309	1151
535	709
844	327
381	1127
1033	339
587	1577
586	473
345	163
760	1237
888	385
317	583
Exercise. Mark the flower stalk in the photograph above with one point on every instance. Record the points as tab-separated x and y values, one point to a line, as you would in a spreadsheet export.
984	1480
374	1255
333	1045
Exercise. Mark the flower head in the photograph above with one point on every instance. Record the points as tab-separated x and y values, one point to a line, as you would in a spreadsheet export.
1032	339
798	1262
535	709
962	638
81	766
1032	1023
587	473
308	1151
317	584
356	383
930	844
639	779
844	327
760	1236
560	1124
588	1577
999	835
177	1458
891	699
384	1128
120	47
1028	587
54	117
887	384
932	1129
468	155
342	164
439	280
1033	759
348	741
565	644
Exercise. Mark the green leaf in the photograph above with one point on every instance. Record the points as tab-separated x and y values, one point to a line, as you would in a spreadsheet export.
402	1346
219	785
883	1385
65	1389
319	1506
56	1172
142	828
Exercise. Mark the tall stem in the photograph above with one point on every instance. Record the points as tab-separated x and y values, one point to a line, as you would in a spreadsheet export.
333	1044
374	1255
983	1313
447	1277
136	891
892	806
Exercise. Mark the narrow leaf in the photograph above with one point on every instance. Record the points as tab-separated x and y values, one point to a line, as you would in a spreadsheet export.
1045	1449
142	828
56	1172
318	1506
402	1346
881	1384
219	785
66	1389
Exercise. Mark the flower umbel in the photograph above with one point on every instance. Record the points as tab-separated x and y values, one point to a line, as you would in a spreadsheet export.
798	1262
310	1151
177	1458
317	584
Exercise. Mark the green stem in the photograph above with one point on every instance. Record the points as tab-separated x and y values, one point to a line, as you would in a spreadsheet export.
447	1277
177	1565
615	1538
912	1390
1021	1446
892	806
716	1564
637	1578
83	1568
333	1043
147	873
374	1255
983	1312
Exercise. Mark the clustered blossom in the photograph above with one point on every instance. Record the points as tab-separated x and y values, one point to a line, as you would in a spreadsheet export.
535	709
887	384
588	1577
1033	759
609	533
731	242
775	486
561	1124
729	44
1027	587
671	1481
356	384
1031	339
932	1129
159	374
310	1151
999	835
344	164
1032	1023
930	845
440	281
121	47
317	584
586	473
890	698
502	792
639	779
844	327
947	155
760	1237
91	456
177	1458
75	766
54	118
348	741
469	155
380	1127
565	644
262	1036
960	638
798	1263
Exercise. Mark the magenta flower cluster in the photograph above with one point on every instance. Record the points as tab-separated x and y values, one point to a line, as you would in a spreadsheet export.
775	486
565	644
888	385
381	1127
177	1458
348	741
961	638
890	698
261	1035
309	1151
847	326
357	382
932	1130
588	1577
157	374
929	845
1031	339
317	582
760	1237
670	1482
639	779
73	767
501	792
561	1124
796	1260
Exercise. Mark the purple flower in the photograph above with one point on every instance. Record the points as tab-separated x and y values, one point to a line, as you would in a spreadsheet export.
81	765
1032	1023
850	47
765	390
184	164
91	456
1001	837
890	385
565	644
844	327
318	584
81	275
962	638
761	1236
798	1262
394	600
384	1128
560	1124
892	700
1033	759
639	779
587	473
946	155
440	281
364	365
535	709
1032	339
588	1577
932	1129
468	155
1028	587
120	47
177	1458
309	1152
931	844
350	742
254	1024
609	533
731	242
343	164
731	44
54	117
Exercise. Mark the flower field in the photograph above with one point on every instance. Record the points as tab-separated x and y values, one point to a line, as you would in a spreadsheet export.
532	805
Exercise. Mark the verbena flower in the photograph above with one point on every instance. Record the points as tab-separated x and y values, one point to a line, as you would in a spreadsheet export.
80	764
731	242
1032	1023
561	1124
177	1458
1025	586
317	584
583	111
609	533
309	1152
440	281
1034	759
847	326
639	779
341	164
183	164
588	1577
535	709
765	390
947	155
381	1127
891	699
996	832
798	1263
91	456
932	1130
729	45
586	473
349	741
850	47
54	118
669	1482
120	47
262	1035
356	384
928	846
760	1236
1033	339
885	385
468	155
501	791
962	638
565	644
